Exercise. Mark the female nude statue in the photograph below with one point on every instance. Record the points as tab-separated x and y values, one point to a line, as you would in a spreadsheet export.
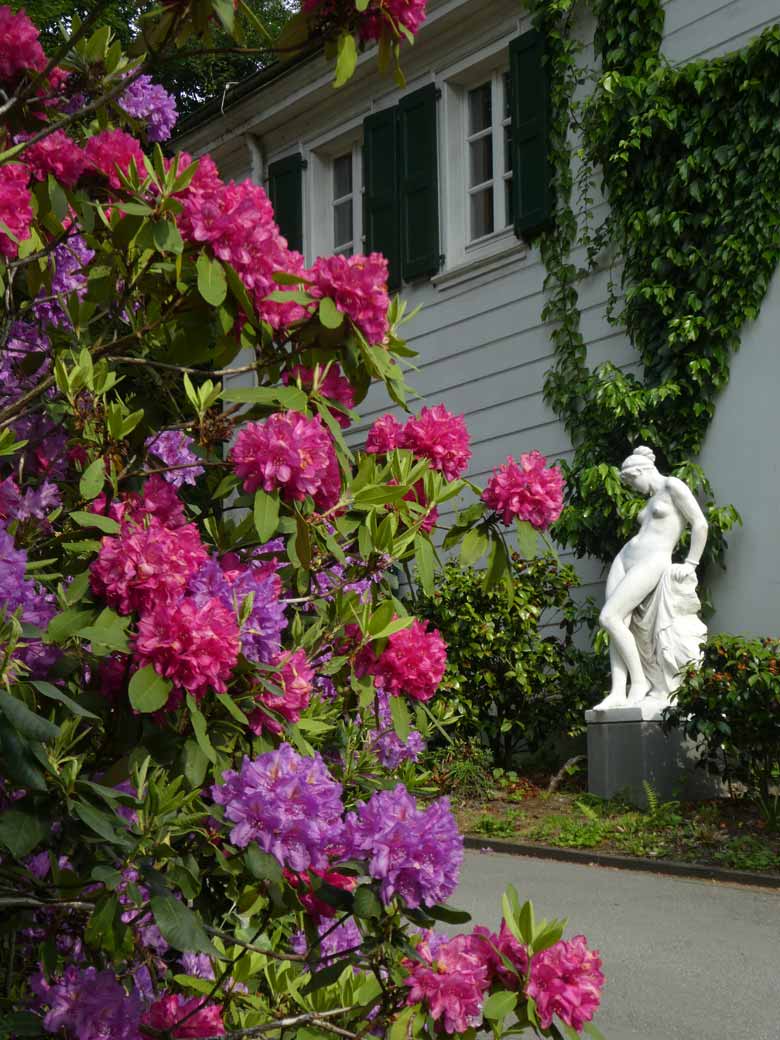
651	605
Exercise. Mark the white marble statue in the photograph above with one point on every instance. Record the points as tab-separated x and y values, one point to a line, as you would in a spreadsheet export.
651	608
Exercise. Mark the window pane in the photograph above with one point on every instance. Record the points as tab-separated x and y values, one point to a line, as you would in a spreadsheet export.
480	108
510	209
507	96
342	176
481	154
507	148
482	213
342	223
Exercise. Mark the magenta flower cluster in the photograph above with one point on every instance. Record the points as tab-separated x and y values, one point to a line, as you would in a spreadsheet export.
413	662
435	434
291	453
236	221
294	682
15	206
333	386
566	981
415	853
20	50
112	151
528	490
358	287
288	804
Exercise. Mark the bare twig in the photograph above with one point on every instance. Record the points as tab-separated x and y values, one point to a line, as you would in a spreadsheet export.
557	780
240	370
38	904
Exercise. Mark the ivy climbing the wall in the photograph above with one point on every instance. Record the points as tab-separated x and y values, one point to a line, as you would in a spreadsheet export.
688	156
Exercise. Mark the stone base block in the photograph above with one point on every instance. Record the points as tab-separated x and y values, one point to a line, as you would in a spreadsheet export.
624	752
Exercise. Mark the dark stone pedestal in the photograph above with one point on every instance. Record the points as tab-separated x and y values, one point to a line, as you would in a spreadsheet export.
625	750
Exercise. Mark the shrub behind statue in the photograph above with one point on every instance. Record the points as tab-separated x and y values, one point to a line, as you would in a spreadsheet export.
731	704
514	671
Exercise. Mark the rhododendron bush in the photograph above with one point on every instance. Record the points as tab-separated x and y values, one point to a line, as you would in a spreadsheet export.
211	697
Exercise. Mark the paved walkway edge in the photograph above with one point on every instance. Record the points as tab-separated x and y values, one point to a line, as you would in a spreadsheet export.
590	857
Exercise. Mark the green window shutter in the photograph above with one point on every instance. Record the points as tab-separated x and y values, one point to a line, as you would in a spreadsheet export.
530	110
286	195
380	185
419	193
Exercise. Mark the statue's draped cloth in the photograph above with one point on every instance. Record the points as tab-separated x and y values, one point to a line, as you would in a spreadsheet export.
668	631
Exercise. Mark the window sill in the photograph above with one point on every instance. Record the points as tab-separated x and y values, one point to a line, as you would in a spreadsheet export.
470	269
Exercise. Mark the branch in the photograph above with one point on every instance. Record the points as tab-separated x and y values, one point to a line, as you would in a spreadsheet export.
37	904
319	1018
251	946
184	369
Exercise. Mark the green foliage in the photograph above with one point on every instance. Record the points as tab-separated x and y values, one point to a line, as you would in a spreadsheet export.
731	704
688	157
192	76
513	669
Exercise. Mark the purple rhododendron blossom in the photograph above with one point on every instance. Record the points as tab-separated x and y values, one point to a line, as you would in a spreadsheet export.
384	741
70	261
37	606
147	100
415	853
174	448
88	1004
344	938
290	805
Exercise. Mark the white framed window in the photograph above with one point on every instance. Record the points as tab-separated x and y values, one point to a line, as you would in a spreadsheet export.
336	196
476	187
489	150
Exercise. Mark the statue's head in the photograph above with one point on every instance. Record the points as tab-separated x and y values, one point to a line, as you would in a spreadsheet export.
638	469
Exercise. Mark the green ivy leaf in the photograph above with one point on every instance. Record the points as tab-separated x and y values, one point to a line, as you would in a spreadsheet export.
149	691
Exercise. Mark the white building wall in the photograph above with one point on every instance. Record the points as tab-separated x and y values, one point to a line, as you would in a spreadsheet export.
482	347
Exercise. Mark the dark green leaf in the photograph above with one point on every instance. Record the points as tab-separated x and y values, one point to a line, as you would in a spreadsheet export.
47	690
367	903
102	523
180	926
263	865
26	721
195	763
22	830
400	715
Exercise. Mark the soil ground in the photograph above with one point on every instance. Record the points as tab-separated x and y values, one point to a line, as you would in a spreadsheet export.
726	833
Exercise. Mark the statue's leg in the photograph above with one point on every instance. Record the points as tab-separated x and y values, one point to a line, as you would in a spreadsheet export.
627	595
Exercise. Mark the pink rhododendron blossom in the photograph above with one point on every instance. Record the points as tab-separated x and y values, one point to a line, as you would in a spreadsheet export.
56	155
157	500
198	1018
110	149
15	207
143	567
566	981
408	13
294	679
236	221
195	647
385	435
334	387
413	662
526	491
286	452
441	437
19	46
492	947
315	907
452	985
358	287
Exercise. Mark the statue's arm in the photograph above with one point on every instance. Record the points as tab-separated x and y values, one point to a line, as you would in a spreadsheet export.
683	498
